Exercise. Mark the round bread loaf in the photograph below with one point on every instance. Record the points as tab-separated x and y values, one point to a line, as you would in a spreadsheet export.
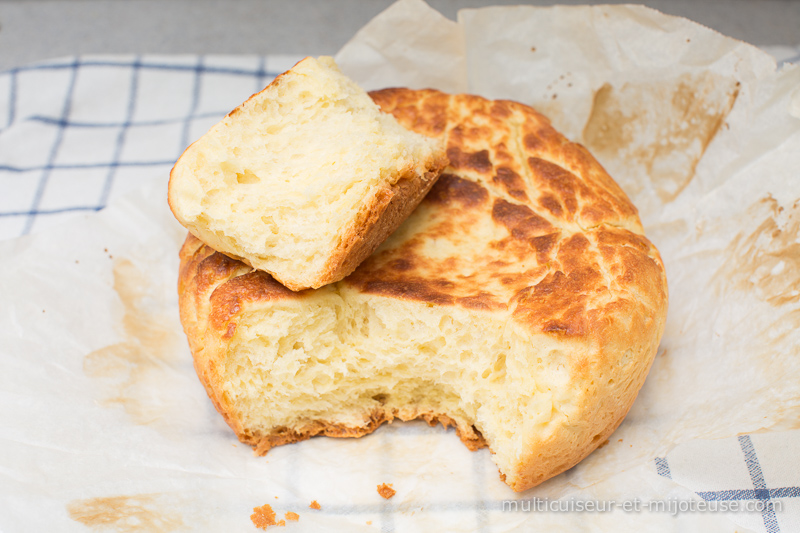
520	302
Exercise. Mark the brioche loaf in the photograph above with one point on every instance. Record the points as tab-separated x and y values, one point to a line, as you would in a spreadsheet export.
305	179
520	303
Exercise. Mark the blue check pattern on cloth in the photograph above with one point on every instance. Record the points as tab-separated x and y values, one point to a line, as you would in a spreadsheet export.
78	132
758	468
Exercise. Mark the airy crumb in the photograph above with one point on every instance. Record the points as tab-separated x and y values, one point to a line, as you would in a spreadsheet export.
386	490
263	516
314	505
294	517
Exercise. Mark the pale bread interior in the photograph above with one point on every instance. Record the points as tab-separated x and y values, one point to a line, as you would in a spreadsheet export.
337	356
281	180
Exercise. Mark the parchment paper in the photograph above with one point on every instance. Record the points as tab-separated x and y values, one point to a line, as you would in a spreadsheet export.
105	426
702	133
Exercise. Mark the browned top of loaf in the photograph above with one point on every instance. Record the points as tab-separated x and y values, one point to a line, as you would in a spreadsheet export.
521	222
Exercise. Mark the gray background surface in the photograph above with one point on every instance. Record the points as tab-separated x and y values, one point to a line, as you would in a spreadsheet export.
32	30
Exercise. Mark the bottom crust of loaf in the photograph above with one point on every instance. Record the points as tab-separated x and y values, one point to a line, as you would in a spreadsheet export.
262	443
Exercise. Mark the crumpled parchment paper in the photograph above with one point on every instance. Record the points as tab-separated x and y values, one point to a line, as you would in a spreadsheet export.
704	135
105	427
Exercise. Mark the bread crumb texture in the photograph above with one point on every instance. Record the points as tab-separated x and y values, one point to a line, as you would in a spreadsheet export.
520	303
263	516
386	490
300	174
314	505
294	517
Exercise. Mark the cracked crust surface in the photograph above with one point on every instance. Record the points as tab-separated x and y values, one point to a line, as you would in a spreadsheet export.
524	232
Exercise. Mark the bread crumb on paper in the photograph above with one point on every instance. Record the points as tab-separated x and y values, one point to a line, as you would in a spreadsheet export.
263	516
386	490
315	505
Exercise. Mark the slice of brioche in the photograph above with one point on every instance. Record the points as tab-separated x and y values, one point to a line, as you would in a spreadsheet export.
304	179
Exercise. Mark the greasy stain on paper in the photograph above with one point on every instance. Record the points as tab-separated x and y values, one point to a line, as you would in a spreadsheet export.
126	514
133	373
658	131
766	261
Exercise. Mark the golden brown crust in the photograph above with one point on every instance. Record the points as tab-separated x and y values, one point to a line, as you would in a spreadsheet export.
388	207
541	237
557	211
